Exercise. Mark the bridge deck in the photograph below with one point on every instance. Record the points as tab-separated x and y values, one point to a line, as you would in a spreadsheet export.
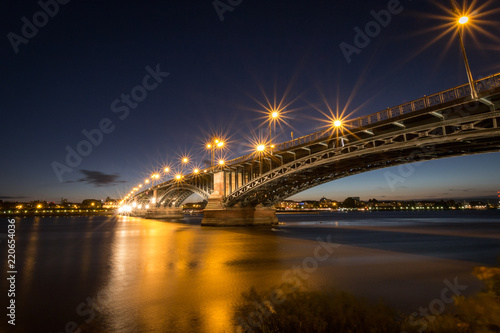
445	124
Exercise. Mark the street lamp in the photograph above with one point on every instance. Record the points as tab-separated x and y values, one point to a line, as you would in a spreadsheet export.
273	118
260	150
184	160
462	21
212	145
154	176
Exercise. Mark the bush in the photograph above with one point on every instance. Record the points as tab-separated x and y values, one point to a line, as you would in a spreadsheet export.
288	309
310	311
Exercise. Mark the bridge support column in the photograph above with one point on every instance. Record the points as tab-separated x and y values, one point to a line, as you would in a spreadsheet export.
164	213
215	215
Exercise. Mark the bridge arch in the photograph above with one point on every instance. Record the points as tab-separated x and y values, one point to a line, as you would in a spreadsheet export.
175	194
462	136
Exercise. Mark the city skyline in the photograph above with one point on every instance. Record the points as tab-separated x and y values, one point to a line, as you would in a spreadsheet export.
195	75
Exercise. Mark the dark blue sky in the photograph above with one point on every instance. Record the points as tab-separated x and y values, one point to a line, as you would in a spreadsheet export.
74	71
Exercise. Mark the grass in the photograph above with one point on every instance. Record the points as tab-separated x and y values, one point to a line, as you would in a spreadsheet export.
290	309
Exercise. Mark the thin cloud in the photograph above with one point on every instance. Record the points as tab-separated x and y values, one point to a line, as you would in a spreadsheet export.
99	179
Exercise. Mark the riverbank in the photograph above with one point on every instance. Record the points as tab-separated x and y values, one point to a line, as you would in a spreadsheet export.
58	212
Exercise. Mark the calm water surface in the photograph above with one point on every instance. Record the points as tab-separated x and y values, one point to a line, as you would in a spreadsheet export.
119	274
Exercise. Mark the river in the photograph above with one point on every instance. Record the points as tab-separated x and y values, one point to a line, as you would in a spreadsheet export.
124	274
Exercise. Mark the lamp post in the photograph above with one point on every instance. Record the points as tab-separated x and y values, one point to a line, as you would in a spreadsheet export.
273	117
462	21
260	150
212	145
154	176
184	160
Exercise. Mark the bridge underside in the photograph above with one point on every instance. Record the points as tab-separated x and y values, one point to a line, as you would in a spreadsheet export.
455	131
275	189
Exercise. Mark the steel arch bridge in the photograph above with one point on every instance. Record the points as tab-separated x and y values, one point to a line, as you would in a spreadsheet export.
442	125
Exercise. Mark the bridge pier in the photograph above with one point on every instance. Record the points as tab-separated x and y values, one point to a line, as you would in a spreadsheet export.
215	215
164	213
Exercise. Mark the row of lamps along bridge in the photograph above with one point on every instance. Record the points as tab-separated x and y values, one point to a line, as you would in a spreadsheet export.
274	117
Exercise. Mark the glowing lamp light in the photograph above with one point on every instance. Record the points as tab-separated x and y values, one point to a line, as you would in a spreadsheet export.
220	144
125	209
261	148
185	160
209	146
134	204
463	20
274	114
337	123
146	181
147	206
196	171
221	162
178	177
153	200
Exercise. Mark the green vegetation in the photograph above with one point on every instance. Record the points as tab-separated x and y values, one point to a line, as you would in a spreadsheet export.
475	314
289	309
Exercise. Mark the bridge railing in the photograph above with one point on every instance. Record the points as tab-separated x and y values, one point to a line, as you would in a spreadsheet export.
484	84
449	95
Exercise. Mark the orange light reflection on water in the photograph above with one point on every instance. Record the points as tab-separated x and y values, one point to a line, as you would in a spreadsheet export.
181	277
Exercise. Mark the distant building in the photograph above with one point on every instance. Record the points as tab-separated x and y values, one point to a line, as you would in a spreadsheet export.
478	205
110	203
91	203
195	205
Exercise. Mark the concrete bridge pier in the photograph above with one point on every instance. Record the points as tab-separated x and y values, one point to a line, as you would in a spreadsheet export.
164	213
216	215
